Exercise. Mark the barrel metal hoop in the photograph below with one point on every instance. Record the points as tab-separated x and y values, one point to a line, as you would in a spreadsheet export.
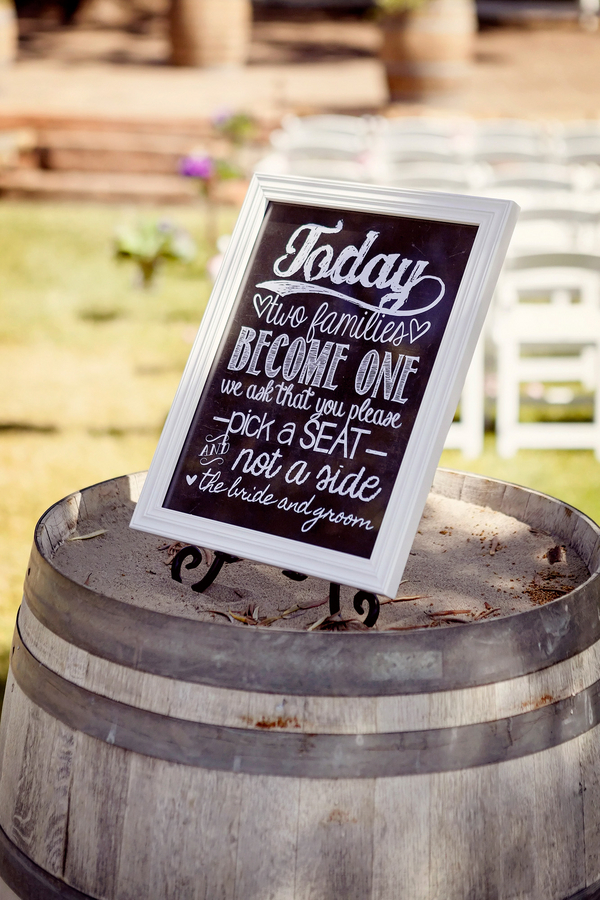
316	663
303	755
26	879
589	893
322	664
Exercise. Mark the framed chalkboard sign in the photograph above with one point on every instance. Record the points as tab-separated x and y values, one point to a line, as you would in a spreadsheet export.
325	375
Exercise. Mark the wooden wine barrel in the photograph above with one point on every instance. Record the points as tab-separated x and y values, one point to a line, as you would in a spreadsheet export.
209	33
427	51
8	34
146	755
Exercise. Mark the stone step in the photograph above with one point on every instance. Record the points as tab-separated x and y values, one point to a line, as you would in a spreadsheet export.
89	144
113	151
121	187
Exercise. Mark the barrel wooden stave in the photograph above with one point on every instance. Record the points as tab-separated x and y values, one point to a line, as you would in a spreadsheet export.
143	827
117	824
589	756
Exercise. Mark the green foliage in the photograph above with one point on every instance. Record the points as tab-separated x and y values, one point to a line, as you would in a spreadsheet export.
226	170
239	128
571	475
394	7
88	371
149	242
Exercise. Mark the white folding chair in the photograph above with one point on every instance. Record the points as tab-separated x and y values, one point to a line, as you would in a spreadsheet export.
498	141
546	327
435	176
579	142
541	230
321	153
467	433
535	177
399	147
358	126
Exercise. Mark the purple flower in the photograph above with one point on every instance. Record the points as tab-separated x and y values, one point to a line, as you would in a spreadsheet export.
221	117
197	167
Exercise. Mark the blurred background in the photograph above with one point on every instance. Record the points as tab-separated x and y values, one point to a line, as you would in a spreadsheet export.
128	132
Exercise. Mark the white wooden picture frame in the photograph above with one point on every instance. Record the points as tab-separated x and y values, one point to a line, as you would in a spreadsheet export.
380	295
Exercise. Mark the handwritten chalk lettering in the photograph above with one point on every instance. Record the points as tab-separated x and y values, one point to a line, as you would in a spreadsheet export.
337	518
264	393
276	314
304	507
366	326
326	407
231	387
261	464
209	482
271	370
306	362
286	435
285	396
373	372
418	330
247	424
383	271
351	484
214	449
320	437
254	496
374	416
297	473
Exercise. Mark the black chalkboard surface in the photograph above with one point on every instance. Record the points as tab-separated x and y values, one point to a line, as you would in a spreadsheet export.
315	381
303	424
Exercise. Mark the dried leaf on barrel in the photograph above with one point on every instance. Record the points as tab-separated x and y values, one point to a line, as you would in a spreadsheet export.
449	612
226	615
243	619
487	612
556	554
303	606
540	595
313	605
284	615
172	550
454	620
336	623
87	537
403	599
451	616
431	624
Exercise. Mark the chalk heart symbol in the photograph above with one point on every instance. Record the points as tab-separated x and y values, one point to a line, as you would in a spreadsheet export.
190	478
417	331
261	304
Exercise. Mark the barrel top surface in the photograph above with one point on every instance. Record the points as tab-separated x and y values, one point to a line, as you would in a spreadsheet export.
346	663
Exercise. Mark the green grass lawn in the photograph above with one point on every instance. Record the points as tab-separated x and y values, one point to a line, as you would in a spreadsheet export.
89	365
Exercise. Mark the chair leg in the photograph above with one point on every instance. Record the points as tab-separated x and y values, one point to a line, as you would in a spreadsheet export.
472	405
507	399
